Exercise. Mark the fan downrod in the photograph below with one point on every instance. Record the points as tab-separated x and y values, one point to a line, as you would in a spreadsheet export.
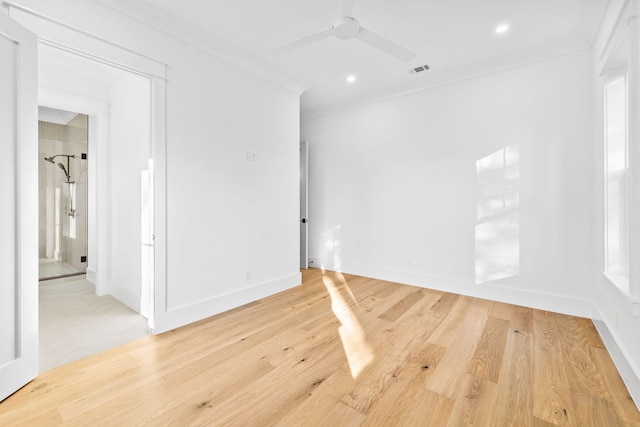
346	28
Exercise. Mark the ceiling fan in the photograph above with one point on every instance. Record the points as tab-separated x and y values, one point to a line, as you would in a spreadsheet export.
347	28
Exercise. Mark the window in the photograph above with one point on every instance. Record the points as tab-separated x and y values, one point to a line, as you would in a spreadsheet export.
620	167
616	178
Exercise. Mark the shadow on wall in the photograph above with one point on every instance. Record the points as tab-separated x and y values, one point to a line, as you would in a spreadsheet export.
497	231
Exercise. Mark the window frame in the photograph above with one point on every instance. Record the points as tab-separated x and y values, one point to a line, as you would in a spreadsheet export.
621	56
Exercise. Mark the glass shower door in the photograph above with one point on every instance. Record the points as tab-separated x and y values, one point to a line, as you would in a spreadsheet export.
62	139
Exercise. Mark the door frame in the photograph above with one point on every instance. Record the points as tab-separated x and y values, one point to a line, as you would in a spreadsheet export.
98	184
98	131
52	33
304	204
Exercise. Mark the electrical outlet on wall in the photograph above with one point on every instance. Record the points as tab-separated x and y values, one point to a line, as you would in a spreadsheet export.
247	274
250	157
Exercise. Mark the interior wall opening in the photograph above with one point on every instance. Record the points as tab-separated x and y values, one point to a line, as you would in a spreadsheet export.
62	193
93	192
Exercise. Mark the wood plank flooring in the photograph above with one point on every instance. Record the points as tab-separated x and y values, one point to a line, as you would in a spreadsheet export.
343	350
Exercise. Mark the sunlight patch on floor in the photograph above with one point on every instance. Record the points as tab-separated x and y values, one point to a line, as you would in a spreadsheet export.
354	341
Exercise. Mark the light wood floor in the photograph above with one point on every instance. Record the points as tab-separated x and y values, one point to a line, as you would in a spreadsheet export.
344	351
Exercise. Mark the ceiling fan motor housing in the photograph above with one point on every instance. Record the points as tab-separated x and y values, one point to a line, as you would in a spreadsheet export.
346	28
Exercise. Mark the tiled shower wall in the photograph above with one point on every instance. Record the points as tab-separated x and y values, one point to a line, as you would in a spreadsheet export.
62	236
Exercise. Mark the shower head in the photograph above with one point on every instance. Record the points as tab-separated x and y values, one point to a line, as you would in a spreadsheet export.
61	166
68	156
67	170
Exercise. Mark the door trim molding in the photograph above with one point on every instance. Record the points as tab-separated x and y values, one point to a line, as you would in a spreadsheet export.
53	33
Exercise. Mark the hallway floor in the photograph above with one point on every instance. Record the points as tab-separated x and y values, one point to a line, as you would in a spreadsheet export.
75	323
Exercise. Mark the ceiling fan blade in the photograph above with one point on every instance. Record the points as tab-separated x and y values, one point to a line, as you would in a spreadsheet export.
347	7
385	45
301	42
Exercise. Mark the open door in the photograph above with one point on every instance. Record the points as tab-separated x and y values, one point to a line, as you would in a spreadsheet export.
304	205
19	213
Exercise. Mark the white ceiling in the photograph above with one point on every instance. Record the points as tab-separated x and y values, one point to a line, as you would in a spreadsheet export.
456	38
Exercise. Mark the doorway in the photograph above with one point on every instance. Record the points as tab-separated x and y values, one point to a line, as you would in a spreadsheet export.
62	193
24	40
304	205
110	106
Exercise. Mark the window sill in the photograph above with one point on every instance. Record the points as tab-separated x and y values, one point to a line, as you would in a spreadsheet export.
621	284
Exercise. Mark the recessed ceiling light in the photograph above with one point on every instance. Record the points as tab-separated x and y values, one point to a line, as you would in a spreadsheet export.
502	28
351	78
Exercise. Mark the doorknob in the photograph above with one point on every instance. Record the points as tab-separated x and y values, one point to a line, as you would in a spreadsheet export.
304	220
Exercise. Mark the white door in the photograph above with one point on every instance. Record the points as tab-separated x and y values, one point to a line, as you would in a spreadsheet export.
304	205
19	212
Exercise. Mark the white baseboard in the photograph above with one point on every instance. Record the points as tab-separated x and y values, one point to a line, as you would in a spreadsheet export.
92	276
186	314
124	296
628	371
538	300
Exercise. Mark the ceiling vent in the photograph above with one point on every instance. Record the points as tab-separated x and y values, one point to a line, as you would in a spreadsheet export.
419	69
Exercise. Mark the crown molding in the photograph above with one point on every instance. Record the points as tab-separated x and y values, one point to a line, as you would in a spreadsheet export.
157	19
592	19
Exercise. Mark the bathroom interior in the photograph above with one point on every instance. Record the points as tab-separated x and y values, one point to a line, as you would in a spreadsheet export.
62	149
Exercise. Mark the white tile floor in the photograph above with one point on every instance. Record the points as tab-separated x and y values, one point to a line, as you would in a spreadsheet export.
75	323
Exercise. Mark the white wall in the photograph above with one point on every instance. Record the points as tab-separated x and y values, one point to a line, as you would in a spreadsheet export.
394	187
63	71
228	215
225	215
128	153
